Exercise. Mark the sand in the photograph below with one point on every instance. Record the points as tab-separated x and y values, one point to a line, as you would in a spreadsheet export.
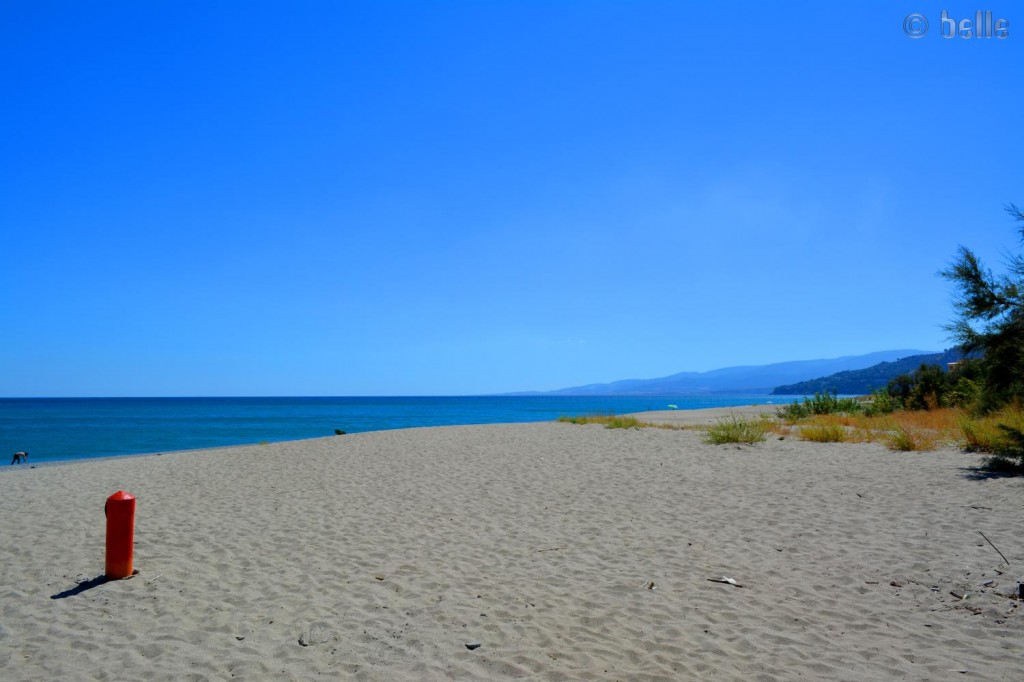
380	556
707	416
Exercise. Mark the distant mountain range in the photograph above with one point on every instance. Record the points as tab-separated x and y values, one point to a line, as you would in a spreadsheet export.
864	381
759	379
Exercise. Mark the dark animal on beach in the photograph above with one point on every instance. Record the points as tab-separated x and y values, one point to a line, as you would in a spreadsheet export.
19	457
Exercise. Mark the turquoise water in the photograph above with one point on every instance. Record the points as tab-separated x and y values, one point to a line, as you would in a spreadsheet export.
51	429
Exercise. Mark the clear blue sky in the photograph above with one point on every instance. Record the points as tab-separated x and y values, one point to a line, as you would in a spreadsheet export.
416	198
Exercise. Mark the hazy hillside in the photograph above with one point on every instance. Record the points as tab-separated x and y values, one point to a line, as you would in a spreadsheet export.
863	381
747	379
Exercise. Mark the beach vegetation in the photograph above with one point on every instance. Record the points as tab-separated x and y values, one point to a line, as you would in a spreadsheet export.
880	402
930	387
902	440
990	322
823	433
989	328
999	435
736	429
898	430
907	440
613	421
821	403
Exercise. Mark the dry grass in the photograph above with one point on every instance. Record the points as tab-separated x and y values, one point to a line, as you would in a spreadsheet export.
924	429
913	430
736	430
907	440
823	433
982	434
943	420
612	421
901	430
1001	436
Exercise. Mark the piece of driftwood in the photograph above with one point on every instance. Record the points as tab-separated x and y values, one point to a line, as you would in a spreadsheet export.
994	547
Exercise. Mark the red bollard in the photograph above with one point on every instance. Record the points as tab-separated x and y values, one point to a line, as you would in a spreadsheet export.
120	511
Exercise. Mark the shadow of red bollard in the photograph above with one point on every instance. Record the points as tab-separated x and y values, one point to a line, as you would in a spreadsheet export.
120	511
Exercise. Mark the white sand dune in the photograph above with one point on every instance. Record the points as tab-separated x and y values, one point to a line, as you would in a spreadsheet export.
380	556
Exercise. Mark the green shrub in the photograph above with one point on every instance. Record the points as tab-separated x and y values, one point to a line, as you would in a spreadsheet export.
881	403
821	403
930	387
736	430
965	392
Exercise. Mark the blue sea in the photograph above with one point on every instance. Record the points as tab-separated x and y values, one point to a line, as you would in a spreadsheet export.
52	429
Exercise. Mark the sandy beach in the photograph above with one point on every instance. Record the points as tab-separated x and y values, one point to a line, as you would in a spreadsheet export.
381	556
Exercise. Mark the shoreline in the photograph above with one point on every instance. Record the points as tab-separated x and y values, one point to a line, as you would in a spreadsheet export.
699	415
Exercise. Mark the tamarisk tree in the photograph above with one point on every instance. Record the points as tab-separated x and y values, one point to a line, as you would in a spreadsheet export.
990	321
